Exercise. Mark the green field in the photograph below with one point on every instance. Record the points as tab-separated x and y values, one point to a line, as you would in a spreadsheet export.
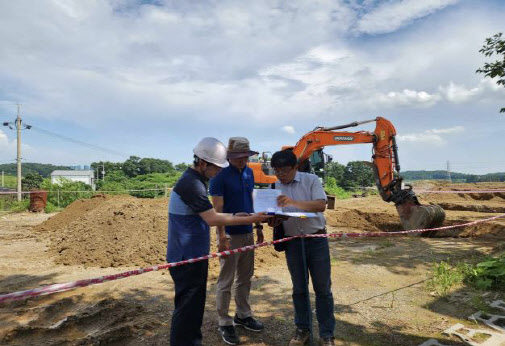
9	181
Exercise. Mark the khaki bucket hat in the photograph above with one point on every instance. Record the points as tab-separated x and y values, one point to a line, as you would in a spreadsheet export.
239	147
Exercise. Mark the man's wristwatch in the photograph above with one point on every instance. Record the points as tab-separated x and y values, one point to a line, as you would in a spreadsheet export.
258	227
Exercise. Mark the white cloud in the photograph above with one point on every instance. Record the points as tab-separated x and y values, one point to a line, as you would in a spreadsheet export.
8	148
288	129
458	93
392	15
450	130
408	98
265	60
84	59
4	141
452	93
435	137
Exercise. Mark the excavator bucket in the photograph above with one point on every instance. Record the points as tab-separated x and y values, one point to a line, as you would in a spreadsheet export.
413	215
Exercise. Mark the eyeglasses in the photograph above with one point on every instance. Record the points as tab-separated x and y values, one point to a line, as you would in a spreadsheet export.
283	170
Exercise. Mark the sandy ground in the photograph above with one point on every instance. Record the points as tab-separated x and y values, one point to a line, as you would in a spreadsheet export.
379	284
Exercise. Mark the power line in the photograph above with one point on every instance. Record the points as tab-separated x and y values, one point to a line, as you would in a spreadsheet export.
76	141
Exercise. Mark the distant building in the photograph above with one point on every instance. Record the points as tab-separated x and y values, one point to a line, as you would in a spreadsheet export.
84	176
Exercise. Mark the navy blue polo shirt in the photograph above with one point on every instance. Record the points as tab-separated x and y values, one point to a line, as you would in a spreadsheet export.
188	233
236	189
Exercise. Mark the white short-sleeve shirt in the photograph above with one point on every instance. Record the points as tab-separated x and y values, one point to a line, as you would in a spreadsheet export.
304	187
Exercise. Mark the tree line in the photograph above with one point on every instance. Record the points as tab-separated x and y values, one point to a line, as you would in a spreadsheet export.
42	169
352	176
357	174
135	166
460	177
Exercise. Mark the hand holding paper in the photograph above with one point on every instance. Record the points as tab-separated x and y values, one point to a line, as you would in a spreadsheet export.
271	202
284	201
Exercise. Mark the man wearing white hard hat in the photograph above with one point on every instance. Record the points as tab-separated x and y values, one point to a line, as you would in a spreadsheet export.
190	215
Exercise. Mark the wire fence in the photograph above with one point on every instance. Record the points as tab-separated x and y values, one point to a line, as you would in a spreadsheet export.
58	199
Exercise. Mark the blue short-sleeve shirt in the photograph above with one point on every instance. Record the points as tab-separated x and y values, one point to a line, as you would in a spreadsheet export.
236	188
188	233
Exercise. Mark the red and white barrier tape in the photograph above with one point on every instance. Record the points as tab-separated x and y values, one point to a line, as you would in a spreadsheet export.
458	191
50	289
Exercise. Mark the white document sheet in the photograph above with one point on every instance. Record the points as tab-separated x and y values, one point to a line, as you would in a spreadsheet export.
265	200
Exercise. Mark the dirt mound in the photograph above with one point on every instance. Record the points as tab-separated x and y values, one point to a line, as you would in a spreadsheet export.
109	232
117	231
73	212
363	221
448	186
473	207
464	197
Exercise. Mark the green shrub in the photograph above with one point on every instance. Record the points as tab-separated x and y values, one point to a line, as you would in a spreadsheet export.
332	188
51	208
19	206
141	182
485	275
488	274
65	192
444	277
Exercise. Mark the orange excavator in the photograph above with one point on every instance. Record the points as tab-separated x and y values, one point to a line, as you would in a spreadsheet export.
385	165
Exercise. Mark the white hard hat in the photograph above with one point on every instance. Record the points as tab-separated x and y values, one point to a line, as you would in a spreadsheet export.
211	150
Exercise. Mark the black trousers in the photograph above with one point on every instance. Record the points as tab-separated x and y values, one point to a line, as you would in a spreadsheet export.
190	291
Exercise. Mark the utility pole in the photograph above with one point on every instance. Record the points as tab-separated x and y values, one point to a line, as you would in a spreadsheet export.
18	127
103	171
18	158
449	170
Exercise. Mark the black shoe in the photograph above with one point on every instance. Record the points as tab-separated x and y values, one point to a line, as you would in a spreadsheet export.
302	337
229	336
327	341
249	323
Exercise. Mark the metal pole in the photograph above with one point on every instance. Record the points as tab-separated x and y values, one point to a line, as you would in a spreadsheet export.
18	127
306	276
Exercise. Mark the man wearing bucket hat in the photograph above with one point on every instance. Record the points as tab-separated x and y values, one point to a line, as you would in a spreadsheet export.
189	218
231	192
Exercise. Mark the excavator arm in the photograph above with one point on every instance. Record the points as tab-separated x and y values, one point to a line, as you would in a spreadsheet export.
384	158
385	164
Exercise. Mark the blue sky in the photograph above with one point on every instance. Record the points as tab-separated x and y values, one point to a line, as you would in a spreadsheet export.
150	78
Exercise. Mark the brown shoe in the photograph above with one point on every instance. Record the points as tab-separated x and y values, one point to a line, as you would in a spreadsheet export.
301	337
327	342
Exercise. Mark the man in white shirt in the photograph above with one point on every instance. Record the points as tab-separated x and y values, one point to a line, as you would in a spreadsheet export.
304	192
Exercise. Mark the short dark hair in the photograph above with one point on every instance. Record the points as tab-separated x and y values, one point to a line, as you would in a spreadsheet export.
284	158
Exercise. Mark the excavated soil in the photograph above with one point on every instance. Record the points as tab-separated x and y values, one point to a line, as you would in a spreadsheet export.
379	284
113	231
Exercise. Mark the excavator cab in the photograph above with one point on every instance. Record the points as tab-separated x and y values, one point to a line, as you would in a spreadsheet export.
265	166
317	160
315	163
